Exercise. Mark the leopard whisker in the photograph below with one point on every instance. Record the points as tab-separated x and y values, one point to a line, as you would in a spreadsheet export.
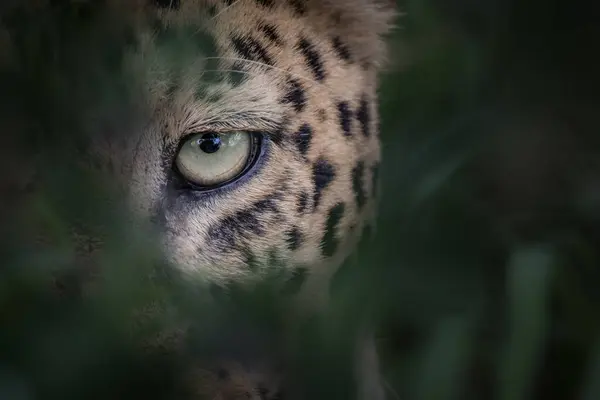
280	70
225	9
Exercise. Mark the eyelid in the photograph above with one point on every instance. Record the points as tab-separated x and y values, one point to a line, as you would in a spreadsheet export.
267	127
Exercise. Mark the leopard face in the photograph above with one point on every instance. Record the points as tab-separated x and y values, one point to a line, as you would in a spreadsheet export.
259	140
295	88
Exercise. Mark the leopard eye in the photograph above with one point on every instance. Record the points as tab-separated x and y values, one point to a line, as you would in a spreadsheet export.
208	159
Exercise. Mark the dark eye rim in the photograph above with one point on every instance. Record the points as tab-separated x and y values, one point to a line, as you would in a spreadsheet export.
258	141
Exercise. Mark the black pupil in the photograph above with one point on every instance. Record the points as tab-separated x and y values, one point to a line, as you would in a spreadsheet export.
210	143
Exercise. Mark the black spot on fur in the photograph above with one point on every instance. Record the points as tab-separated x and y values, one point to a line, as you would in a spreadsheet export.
357	184
212	10
265	3
298	6
242	224
267	205
172	4
341	49
330	242
251	49
295	95
231	228
374	179
345	116
229	2
363	116
303	137
271	33
302	203
323	174
294	238
312	57
293	285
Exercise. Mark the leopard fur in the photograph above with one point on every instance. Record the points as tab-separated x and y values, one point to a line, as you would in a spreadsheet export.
302	72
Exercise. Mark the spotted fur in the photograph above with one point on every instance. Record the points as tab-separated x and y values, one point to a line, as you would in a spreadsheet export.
304	72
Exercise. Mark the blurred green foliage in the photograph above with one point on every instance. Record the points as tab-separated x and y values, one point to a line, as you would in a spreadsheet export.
482	274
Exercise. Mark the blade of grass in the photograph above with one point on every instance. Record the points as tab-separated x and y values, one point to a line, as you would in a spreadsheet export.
445	360
529	277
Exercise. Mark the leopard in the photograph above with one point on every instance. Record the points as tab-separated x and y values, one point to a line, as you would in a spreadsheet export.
261	141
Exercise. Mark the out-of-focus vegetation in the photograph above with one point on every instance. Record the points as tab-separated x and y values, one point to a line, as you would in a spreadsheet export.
483	271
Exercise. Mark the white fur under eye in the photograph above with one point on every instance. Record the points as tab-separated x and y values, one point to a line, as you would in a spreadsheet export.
207	159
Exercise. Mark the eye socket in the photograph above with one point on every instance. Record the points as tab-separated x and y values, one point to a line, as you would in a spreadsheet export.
208	160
